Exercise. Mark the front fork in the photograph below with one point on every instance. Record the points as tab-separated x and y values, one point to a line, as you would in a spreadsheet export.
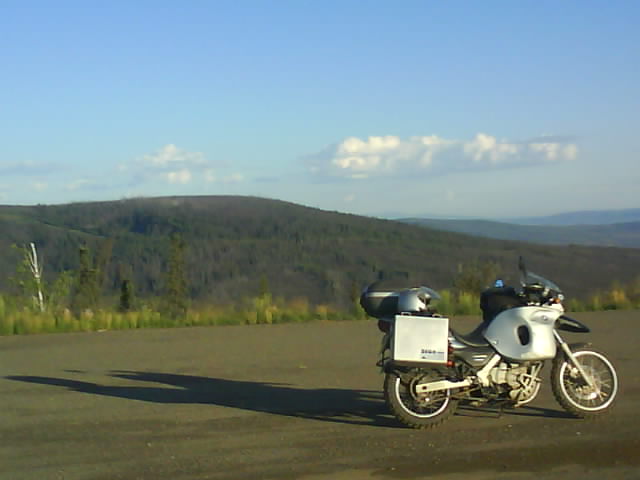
569	354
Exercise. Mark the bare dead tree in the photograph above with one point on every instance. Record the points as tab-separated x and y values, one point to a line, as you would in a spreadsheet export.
36	270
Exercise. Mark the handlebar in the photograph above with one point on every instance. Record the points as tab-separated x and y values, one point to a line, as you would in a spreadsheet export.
536	293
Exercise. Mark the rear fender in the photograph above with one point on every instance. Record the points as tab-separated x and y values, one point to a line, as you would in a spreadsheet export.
385	344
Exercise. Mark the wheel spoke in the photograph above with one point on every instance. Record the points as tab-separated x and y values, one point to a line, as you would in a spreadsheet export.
602	380
424	407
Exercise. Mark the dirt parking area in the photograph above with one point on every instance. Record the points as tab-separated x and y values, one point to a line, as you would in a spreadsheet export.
298	401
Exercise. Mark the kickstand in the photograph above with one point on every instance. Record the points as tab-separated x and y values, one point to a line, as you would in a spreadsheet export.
502	406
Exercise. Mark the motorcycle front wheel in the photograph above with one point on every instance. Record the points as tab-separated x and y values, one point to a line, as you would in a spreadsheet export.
573	392
417	410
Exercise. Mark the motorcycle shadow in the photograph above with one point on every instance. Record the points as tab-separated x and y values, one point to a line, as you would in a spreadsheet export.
356	407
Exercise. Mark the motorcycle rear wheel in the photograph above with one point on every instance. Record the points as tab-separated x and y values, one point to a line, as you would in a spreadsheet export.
574	394
417	411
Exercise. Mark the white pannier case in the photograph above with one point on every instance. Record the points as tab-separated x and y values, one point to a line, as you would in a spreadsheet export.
420	340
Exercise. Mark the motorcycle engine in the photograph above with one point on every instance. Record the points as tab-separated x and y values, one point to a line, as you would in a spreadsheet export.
508	374
520	382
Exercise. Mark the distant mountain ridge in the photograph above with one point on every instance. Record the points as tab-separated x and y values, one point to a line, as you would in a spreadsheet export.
237	244
625	235
586	217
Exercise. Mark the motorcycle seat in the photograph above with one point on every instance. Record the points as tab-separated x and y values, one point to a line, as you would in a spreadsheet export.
473	338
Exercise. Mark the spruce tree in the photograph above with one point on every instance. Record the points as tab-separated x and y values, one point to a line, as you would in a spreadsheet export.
86	291
176	282
126	295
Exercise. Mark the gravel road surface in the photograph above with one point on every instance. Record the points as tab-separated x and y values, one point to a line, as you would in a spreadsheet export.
298	401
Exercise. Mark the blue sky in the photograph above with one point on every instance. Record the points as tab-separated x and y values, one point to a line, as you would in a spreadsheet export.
372	107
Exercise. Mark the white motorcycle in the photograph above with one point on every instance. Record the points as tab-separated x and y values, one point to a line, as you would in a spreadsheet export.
430	368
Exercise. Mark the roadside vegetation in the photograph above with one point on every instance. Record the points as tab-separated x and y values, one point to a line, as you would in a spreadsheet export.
75	300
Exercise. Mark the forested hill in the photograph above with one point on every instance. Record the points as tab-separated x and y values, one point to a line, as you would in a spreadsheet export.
237	245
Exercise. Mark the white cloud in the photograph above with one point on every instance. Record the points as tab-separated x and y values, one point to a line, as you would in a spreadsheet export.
487	148
390	155
169	163
39	186
570	151
210	175
555	151
432	145
182	176
175	166
359	158
79	184
170	157
233	178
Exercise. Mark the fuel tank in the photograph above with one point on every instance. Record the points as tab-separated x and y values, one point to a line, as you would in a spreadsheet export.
524	333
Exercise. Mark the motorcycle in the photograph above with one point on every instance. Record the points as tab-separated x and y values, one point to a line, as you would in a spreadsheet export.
430	368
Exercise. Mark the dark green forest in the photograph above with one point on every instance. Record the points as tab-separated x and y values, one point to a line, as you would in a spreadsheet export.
238	247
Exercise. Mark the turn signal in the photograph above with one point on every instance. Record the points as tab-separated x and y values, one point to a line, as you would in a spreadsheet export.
449	354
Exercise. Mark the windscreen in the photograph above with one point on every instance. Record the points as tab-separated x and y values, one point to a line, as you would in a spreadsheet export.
532	279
